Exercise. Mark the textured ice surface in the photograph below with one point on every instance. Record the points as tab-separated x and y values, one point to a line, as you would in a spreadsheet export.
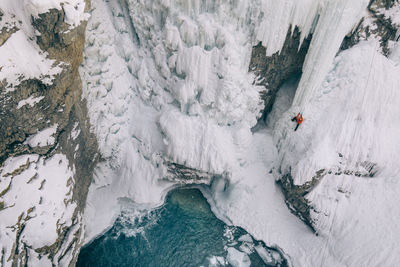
147	83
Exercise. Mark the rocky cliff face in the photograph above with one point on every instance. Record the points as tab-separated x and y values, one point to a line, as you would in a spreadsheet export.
43	120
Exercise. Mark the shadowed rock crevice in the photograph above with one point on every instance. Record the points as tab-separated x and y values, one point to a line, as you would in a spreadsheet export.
295	196
272	71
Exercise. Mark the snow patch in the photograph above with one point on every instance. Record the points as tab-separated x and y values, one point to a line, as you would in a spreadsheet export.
75	131
74	9
42	138
30	100
23	60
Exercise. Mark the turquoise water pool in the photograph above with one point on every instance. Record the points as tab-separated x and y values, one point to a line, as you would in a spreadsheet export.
183	232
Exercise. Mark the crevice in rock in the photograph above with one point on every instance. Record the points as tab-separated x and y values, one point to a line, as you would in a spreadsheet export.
272	71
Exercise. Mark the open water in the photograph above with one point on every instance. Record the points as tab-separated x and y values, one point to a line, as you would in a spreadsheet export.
183	232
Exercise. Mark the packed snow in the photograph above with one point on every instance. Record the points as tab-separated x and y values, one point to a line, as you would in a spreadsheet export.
207	147
168	80
237	258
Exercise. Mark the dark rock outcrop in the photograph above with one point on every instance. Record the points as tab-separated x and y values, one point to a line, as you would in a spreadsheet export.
272	71
295	195
61	105
376	24
183	174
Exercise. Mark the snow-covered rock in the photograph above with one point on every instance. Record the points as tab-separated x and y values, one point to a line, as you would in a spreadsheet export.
44	174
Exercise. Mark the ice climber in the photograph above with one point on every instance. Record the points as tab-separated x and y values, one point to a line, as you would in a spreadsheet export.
299	119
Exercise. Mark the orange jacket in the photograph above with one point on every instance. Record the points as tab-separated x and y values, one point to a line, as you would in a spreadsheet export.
299	118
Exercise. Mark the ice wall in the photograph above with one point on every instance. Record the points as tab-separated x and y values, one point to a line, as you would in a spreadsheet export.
328	20
165	80
280	16
336	19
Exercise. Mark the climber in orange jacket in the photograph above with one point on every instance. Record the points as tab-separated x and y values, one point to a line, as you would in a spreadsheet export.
299	119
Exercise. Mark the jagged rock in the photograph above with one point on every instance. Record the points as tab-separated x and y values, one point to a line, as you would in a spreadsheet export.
183	174
273	71
376	24
295	195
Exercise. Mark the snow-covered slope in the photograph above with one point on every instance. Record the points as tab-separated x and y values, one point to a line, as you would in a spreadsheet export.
352	136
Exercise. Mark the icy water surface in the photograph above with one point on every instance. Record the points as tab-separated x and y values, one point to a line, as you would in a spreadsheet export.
183	232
